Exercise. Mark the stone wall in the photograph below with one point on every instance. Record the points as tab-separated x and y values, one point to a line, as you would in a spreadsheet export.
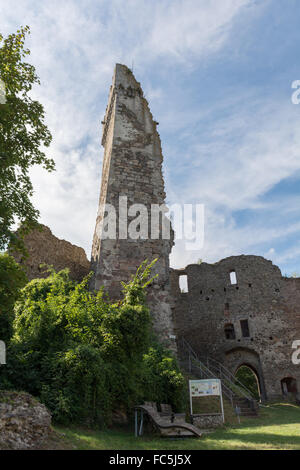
208	420
24	422
252	321
209	316
44	248
132	168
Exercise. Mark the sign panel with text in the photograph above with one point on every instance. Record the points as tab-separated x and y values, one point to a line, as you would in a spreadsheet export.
206	388
201	388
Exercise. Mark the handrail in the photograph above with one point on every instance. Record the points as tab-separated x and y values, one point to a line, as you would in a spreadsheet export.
227	372
228	392
208	373
223	375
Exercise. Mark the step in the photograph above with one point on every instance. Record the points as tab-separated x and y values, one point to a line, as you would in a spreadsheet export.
246	408
245	404
240	400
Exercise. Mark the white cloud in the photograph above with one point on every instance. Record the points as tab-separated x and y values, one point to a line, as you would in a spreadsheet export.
189	28
287	255
245	156
74	46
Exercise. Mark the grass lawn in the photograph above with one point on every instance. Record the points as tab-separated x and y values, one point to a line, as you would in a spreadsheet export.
277	427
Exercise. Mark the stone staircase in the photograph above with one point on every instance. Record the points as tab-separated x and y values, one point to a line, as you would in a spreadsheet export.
246	406
234	391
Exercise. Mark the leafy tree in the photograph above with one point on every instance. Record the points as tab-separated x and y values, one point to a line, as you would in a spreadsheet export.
23	135
163	381
12	279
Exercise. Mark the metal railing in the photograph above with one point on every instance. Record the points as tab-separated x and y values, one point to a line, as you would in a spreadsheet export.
225	374
211	368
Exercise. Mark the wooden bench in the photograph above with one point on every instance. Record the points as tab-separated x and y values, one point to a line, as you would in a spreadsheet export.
168	423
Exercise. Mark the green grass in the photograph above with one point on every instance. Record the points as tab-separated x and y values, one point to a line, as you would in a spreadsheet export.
277	427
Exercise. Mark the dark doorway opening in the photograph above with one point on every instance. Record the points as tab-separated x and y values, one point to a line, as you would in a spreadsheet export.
245	328
289	386
249	378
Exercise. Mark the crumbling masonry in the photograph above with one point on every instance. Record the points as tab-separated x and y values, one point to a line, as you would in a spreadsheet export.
45	248
132	169
240	311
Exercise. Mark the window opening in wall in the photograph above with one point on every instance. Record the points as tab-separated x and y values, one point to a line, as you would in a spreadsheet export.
233	279
183	284
289	385
229	331
245	328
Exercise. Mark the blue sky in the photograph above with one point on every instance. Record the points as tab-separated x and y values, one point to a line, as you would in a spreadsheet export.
217	75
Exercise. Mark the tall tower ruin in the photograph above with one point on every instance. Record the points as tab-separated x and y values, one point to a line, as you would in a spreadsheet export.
132	169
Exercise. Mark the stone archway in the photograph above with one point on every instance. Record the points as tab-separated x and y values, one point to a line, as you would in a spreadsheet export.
248	376
240	356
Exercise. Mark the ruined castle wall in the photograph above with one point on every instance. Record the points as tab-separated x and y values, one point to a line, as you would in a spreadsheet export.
269	302
44	248
132	167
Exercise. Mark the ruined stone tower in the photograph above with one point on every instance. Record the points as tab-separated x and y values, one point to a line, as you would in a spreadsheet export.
132	169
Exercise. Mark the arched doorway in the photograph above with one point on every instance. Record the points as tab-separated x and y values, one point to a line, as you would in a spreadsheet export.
247	376
289	386
240	356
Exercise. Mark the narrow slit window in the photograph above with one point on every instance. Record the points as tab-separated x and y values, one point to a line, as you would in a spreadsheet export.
183	284
233	279
229	331
245	328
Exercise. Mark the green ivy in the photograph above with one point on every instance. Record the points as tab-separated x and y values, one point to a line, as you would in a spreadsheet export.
12	279
84	356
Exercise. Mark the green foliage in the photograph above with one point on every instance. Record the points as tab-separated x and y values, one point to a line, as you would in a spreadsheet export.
23	135
248	378
84	356
77	390
162	380
12	279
